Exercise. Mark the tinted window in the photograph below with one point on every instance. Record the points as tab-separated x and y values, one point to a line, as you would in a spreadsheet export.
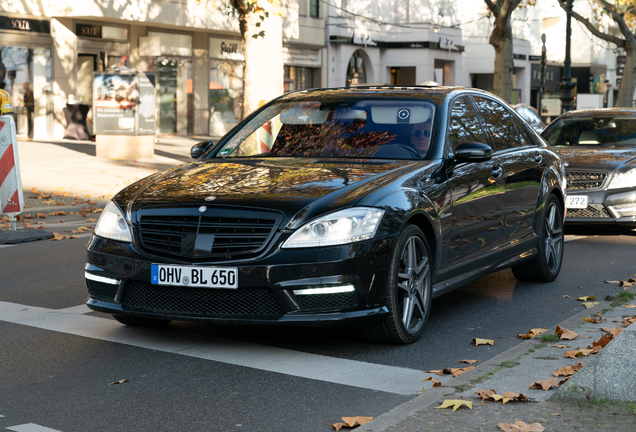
524	138
464	124
591	131
499	122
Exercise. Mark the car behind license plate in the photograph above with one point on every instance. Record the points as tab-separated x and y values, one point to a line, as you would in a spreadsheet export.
209	277
577	201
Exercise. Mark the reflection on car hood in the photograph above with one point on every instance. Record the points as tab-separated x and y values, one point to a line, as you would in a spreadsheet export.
286	184
605	159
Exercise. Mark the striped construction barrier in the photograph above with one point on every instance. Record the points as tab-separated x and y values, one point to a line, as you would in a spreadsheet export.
11	196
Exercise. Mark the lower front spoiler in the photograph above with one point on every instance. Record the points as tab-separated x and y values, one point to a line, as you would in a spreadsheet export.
354	318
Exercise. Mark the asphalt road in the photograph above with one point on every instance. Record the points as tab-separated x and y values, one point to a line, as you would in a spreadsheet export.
57	358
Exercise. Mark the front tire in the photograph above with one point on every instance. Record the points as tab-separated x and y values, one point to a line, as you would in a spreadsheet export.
545	267
408	291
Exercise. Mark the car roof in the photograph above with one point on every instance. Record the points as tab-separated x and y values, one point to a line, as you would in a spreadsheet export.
601	112
374	91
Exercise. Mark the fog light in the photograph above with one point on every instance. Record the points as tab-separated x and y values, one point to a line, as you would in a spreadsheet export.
326	290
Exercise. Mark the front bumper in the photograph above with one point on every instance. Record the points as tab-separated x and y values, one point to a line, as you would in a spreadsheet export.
611	207
276	289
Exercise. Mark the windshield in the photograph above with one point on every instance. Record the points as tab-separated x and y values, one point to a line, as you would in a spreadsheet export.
380	128
593	131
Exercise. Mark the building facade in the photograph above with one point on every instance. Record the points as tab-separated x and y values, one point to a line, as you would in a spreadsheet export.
50	50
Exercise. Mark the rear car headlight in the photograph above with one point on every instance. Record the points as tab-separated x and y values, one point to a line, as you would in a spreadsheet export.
624	180
112	224
342	227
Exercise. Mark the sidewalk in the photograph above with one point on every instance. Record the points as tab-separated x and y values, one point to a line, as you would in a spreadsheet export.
71	167
601	396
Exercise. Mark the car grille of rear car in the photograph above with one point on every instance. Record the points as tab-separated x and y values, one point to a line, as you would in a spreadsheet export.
219	234
100	290
316	302
244	303
592	211
581	180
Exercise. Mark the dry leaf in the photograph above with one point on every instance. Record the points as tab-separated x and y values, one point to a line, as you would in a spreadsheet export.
478	341
560	346
565	334
434	381
57	236
544	384
121	381
614	331
577	353
604	340
516	396
629	306
532	333
520	426
589	304
469	361
627	321
455	403
485	394
586	298
350	422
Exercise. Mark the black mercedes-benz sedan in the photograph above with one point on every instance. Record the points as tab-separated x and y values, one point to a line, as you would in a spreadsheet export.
598	148
335	206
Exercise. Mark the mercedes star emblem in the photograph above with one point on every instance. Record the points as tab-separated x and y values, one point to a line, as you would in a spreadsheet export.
202	209
210	198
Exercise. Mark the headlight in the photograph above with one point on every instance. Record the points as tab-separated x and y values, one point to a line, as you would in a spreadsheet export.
345	226
112	224
624	180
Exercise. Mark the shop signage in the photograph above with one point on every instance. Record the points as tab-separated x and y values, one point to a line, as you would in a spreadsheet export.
88	30
124	103
25	25
446	43
230	49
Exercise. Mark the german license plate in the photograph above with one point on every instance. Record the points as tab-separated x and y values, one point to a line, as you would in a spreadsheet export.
208	277
577	201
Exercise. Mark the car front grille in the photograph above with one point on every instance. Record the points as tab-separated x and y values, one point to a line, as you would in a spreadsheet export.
338	301
592	211
101	290
219	234
581	180
244	303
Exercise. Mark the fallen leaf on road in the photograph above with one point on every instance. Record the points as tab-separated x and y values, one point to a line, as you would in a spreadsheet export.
532	333
434	381
27	225
520	426
561	346
351	422
614	331
589	304
121	381
57	236
439	372
478	341
485	394
627	321
586	298
577	353
452	371
630	306
455	403
58	213
469	361
595	320
545	384
604	340
567	370
565	334
516	396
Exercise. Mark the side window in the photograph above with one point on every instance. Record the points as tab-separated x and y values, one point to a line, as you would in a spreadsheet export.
499	122
464	124
524	138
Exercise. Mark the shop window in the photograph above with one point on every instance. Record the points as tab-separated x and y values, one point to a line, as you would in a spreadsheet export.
298	78
226	95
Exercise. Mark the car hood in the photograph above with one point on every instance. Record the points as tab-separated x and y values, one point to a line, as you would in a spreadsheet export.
601	159
285	184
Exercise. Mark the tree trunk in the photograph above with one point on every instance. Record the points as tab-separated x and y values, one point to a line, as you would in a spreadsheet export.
626	89
263	75
502	80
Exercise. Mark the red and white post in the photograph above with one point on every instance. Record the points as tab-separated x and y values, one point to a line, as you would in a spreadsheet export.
11	196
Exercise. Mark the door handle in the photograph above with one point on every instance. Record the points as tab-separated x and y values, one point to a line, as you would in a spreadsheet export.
497	171
538	158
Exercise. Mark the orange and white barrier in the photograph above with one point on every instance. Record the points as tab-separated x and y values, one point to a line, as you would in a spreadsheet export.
11	196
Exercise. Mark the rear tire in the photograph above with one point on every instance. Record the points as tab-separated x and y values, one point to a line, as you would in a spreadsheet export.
408	291
546	265
134	321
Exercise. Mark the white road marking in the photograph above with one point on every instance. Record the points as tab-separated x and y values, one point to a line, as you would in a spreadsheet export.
352	373
31	427
569	238
81	309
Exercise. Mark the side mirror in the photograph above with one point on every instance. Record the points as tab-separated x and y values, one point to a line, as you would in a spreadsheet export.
199	148
473	152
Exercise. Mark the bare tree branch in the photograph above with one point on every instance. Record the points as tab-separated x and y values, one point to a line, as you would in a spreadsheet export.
596	32
494	8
